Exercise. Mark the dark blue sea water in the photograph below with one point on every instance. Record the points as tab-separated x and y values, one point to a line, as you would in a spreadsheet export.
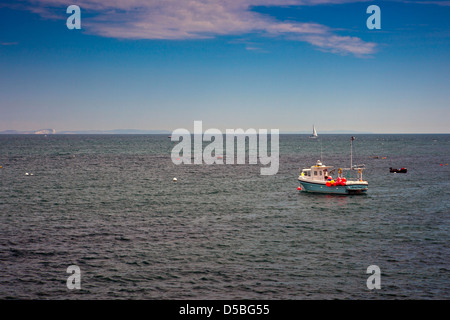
107	204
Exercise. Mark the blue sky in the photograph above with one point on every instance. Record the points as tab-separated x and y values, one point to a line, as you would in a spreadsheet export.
274	64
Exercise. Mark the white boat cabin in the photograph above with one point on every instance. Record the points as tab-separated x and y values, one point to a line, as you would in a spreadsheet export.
319	172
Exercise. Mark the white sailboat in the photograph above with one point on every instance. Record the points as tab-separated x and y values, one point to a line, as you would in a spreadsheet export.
314	135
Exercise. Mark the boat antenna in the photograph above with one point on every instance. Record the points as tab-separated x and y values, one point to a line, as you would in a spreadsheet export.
320	150
351	152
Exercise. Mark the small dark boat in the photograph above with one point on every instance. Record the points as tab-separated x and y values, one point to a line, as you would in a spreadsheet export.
402	170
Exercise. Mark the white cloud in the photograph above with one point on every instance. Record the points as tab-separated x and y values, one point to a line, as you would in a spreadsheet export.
341	44
197	19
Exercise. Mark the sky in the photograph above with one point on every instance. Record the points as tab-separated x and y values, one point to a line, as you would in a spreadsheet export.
263	64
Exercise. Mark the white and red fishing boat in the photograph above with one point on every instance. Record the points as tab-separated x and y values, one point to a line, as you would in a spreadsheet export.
319	178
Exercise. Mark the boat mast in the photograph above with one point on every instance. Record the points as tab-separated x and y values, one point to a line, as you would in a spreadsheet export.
320	150
351	152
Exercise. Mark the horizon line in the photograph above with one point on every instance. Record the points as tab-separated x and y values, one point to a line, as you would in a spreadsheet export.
165	132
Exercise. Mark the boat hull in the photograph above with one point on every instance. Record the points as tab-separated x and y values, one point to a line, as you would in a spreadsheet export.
322	188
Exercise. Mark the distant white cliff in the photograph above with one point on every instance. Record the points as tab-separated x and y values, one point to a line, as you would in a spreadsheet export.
42	131
45	131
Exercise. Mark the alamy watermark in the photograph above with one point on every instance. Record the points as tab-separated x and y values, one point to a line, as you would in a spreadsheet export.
74	280
213	152
374	21
74	21
374	281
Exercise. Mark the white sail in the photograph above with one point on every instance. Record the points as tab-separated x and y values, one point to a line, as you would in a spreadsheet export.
314	135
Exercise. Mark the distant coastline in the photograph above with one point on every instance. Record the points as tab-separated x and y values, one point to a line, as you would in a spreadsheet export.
116	131
137	131
42	131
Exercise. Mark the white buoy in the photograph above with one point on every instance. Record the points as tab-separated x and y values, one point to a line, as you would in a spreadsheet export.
174	180
27	174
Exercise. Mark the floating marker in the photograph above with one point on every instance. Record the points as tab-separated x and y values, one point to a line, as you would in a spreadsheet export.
174	180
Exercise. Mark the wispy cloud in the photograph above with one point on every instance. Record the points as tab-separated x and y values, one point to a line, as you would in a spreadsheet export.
9	43
183	19
341	44
439	3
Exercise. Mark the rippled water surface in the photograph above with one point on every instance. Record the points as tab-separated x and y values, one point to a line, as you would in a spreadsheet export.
107	203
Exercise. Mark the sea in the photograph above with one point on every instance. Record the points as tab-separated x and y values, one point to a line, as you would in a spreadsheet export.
108	205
